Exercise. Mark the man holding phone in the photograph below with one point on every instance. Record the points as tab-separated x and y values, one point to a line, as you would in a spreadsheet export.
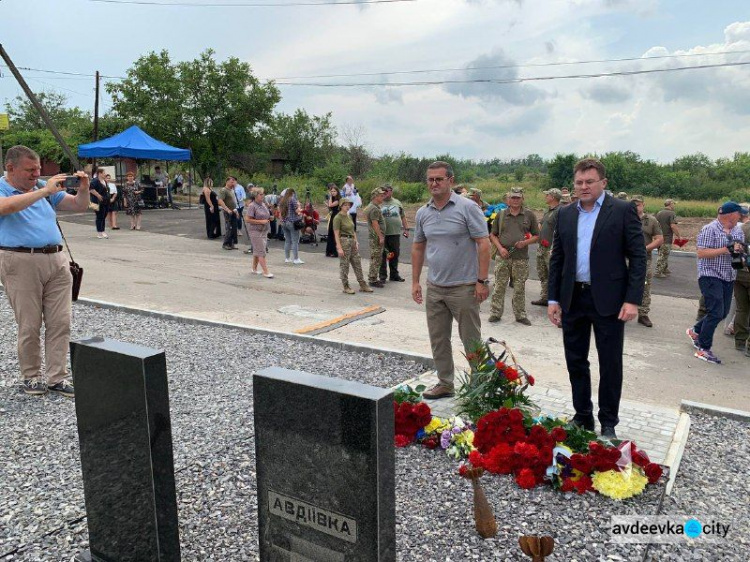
33	269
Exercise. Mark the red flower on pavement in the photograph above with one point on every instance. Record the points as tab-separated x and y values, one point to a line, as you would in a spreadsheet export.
462	470
511	374
476	459
526	478
583	484
531	380
559	434
653	472
402	441
499	365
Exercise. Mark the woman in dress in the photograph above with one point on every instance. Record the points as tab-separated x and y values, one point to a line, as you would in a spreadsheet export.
258	218
114	203
348	248
334	196
211	209
289	208
132	192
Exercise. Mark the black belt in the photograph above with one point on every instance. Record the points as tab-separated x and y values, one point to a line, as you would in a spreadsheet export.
581	285
42	250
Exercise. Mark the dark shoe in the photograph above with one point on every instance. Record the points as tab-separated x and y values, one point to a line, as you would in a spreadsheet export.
438	391
644	319
400	279
34	387
377	284
524	321
494	318
587	425
227	247
383	280
540	302
115	228
63	387
608	432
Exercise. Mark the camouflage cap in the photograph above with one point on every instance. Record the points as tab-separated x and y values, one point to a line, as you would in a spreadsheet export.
668	202
344	201
515	192
622	195
554	192
638	198
565	199
475	191
377	191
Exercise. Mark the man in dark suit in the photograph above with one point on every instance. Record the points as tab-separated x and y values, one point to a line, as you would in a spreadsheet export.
596	278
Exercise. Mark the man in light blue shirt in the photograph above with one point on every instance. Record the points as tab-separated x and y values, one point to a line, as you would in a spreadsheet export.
33	269
586	223
241	195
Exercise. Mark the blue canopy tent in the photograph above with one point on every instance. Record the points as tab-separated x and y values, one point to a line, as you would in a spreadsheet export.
133	143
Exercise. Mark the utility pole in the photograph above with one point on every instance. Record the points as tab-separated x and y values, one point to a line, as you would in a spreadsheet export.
96	122
40	108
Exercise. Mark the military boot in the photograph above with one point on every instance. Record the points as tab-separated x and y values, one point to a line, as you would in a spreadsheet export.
348	290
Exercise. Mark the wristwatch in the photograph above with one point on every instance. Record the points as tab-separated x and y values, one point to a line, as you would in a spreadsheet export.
485	282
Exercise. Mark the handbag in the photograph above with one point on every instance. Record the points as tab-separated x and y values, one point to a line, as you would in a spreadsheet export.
299	224
76	271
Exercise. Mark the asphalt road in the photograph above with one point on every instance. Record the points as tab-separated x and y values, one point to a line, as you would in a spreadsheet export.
189	223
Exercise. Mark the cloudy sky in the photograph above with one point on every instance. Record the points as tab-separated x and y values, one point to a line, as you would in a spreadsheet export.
659	115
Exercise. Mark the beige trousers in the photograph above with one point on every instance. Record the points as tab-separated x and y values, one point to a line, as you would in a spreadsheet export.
39	290
443	304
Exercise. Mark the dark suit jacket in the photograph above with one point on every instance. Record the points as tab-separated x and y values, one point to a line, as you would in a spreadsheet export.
618	235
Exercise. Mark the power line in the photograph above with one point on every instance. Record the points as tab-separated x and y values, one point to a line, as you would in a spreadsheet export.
529	65
513	80
66	73
249	5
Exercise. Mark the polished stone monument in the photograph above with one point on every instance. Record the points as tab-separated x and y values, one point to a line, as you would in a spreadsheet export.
122	407
326	469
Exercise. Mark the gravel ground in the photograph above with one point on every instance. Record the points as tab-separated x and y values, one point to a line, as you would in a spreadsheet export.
42	514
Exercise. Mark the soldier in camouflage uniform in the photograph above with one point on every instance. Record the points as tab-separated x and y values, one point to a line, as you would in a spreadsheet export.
513	231
653	238
376	226
622	195
668	222
348	248
549	223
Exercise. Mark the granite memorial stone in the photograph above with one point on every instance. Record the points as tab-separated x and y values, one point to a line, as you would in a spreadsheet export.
122	407
326	469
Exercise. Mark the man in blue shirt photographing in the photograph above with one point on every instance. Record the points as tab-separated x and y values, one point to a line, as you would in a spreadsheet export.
33	269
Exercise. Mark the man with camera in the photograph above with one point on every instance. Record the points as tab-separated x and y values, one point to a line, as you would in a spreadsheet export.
721	246
33	269
742	294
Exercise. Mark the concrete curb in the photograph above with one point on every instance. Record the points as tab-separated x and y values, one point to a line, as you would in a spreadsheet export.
698	407
677	449
404	355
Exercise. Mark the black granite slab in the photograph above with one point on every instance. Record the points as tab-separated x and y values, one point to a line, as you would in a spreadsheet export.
124	430
325	467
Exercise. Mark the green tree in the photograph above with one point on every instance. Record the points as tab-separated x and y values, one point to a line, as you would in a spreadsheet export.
560	170
306	141
218	110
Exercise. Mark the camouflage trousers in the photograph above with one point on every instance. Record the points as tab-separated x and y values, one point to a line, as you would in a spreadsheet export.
504	270
350	256
542	269
376	258
662	263
645	307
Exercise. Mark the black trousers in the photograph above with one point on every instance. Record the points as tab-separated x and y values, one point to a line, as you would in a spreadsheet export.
213	222
230	234
392	244
609	334
101	217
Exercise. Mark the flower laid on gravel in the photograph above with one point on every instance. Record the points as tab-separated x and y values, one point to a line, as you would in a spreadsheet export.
508	439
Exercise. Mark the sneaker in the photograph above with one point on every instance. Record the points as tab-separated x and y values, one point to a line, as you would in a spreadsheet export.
63	387
34	387
249	251
438	391
693	337
708	356
287	260
105	235
298	262
267	275
99	235
608	432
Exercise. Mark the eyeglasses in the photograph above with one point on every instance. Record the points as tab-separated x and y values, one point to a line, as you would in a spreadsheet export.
587	182
436	180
